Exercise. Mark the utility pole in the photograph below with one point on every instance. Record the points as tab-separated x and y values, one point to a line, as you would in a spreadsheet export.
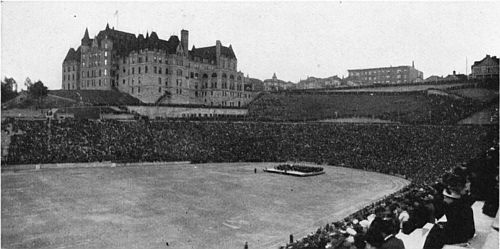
116	18
466	68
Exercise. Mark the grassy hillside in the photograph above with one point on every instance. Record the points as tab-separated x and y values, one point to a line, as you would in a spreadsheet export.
97	97
479	94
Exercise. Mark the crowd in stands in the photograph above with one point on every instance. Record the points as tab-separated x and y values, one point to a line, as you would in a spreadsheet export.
377	225
404	107
419	153
415	152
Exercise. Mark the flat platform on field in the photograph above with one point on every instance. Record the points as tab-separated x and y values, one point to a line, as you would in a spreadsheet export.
188	206
293	173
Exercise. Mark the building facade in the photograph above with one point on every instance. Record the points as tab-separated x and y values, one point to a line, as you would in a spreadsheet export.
486	68
275	84
387	75
155	70
319	83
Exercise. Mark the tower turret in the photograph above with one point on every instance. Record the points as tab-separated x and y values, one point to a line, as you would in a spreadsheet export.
86	38
185	39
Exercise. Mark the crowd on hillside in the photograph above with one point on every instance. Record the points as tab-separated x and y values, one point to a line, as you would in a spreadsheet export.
407	108
377	225
415	152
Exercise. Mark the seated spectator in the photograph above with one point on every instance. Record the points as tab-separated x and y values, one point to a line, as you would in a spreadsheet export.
389	229
374	239
402	214
459	227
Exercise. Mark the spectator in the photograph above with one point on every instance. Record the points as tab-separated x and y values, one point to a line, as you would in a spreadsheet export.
374	239
389	229
458	228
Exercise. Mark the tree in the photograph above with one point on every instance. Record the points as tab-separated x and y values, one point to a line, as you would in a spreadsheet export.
38	91
27	82
9	89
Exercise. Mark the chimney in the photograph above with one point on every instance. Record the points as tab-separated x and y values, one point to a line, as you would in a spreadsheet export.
454	73
185	39
218	46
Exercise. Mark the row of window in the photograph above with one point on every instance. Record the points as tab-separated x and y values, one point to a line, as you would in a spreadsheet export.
179	72
70	86
145	59
93	83
95	59
382	77
156	70
94	73
223	94
179	61
68	77
204	85
69	68
390	82
94	63
380	71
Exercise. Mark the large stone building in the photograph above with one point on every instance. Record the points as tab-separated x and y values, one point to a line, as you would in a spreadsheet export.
386	75
155	70
486	68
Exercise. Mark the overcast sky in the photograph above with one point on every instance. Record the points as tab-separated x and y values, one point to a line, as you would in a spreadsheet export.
293	39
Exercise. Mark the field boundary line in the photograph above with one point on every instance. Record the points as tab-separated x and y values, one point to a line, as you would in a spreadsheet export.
108	164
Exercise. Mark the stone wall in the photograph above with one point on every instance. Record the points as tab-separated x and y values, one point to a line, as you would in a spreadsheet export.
179	112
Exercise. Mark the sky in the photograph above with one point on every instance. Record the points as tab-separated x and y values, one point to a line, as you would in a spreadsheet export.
292	39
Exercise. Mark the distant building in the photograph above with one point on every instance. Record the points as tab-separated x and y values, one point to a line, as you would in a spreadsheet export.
275	84
455	77
450	77
319	83
486	68
434	78
254	84
386	75
155	70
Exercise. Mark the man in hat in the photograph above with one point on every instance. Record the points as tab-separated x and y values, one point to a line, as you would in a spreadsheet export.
459	227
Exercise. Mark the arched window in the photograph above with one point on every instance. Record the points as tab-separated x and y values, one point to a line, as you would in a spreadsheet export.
204	81
231	82
213	83
224	81
179	72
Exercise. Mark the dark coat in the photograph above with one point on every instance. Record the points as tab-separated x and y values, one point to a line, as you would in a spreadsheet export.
459	227
460	222
393	243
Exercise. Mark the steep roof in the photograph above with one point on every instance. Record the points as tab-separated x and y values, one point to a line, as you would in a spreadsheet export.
127	42
124	43
486	58
210	52
73	55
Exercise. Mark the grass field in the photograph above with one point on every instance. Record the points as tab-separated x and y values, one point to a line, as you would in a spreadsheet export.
188	206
